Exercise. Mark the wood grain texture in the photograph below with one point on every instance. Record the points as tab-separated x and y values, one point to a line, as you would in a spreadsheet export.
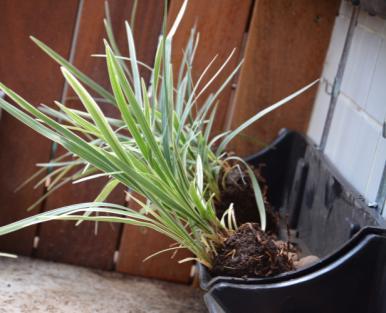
221	25
63	241
138	243
85	244
28	71
79	245
286	47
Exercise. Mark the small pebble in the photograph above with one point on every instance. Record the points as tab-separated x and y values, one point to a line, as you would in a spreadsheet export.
293	256
306	261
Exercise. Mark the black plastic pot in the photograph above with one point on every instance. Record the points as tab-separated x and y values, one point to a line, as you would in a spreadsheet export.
332	221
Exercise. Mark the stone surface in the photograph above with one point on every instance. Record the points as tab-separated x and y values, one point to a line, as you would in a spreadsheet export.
30	285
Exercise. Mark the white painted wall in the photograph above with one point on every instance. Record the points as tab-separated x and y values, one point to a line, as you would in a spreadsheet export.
355	144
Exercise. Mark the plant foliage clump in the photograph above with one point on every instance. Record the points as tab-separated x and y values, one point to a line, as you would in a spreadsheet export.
160	148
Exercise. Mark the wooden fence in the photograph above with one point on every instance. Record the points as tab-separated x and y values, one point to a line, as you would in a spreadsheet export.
283	43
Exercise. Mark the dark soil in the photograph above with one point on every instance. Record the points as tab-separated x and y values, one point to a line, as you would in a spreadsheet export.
235	187
250	252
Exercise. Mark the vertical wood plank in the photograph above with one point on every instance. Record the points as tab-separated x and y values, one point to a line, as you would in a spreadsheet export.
286	47
138	243
28	71
63	241
221	25
79	245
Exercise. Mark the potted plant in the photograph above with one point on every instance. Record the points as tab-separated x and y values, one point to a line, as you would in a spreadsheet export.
328	218
158	148
164	152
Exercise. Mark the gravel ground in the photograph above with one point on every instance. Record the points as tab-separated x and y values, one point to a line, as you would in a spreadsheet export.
29	285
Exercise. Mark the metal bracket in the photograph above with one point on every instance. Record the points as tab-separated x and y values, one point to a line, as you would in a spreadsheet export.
327	86
339	77
381	196
374	7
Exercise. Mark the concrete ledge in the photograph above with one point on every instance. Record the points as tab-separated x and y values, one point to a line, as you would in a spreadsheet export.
29	285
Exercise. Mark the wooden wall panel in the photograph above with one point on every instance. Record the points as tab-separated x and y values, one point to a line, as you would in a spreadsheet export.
286	46
28	71
79	245
138	243
221	25
63	241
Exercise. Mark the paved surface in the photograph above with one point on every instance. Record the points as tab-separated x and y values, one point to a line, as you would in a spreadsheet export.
28	285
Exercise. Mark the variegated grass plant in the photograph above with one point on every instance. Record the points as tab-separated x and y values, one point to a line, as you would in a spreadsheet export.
161	146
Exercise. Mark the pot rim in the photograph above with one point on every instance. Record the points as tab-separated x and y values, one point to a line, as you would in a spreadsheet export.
207	280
